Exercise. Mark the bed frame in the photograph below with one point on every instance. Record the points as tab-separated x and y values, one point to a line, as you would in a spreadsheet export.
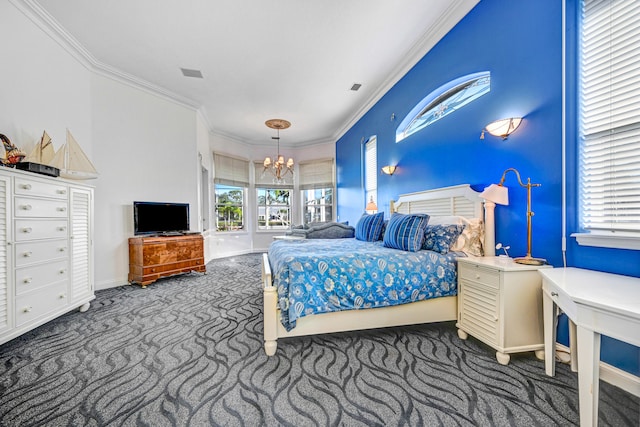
457	200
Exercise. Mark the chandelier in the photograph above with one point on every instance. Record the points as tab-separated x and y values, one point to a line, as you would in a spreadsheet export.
277	166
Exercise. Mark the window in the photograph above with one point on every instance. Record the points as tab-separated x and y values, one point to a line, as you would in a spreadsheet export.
609	127
229	208
273	201
443	101
274	208
371	170
231	181
316	188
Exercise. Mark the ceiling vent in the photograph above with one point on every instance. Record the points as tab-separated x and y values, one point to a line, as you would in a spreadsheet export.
191	73
355	87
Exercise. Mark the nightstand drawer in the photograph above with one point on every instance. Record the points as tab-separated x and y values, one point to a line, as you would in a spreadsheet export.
478	274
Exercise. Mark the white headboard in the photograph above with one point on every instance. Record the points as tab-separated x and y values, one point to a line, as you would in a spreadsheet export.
459	200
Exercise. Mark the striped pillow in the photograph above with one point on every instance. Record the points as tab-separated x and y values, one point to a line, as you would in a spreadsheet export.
369	227
406	232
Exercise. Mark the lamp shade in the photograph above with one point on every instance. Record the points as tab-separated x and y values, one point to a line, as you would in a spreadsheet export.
504	127
496	194
371	206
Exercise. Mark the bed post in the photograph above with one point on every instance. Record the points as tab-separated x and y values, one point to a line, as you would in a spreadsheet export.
270	314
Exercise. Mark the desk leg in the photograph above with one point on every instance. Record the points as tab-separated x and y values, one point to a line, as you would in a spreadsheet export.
573	346
588	375
550	321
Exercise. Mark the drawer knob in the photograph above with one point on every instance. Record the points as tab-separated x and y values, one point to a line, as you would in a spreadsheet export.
27	230
62	191
62	296
26	207
554	294
62	249
62	209
477	276
62	228
62	271
27	309
26	186
27	280
27	254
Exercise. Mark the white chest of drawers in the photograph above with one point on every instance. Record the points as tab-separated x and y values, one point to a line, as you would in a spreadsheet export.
46	252
500	303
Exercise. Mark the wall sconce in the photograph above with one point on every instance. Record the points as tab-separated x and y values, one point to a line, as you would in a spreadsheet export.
502	128
498	194
388	170
371	206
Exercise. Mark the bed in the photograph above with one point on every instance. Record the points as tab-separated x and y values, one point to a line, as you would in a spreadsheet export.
406	307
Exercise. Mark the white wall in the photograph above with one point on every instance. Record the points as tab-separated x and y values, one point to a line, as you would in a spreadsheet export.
251	240
143	146
41	86
144	149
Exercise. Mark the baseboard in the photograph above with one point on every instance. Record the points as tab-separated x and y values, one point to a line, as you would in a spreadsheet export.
614	376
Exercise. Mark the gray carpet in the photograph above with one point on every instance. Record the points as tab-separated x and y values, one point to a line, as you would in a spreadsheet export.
187	351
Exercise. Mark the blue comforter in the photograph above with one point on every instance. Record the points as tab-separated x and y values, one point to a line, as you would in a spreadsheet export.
324	275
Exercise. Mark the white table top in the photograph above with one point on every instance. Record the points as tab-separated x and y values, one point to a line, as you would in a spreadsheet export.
605	291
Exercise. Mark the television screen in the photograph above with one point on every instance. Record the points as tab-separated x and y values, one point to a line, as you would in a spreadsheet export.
160	218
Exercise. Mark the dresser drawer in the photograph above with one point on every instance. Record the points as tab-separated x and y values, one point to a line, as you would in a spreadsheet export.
33	229
36	304
37	276
479	274
25	186
27	253
26	207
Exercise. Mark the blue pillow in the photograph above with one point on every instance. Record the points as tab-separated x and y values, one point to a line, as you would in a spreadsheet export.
406	232
439	238
369	227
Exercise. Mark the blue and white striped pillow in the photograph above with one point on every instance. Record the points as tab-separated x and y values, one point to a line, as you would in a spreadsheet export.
406	232
369	227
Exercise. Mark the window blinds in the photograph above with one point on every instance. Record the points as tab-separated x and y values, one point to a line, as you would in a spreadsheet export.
231	170
610	115
370	168
316	174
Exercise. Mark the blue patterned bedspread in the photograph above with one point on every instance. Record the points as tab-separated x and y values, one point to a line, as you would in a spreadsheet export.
323	275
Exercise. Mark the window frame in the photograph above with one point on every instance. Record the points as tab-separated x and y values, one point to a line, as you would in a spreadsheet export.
242	206
597	233
289	206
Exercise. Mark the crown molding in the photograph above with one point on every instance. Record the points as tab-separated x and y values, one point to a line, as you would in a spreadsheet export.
51	27
456	10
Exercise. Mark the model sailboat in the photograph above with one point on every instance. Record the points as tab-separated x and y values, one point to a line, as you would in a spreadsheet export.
43	152
72	161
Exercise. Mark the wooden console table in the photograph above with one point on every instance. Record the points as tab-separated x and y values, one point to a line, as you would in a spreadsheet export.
151	258
598	303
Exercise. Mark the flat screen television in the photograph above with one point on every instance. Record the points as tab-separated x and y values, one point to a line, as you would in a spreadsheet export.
155	218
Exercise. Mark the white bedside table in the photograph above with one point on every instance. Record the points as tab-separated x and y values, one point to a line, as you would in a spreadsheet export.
500	303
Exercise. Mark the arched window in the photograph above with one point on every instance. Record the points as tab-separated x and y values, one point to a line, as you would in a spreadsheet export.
444	100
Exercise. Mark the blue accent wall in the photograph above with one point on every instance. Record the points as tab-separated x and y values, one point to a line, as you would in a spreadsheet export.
520	43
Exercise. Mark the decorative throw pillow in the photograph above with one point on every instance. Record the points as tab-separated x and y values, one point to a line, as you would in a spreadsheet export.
369	227
405	232
439	238
472	238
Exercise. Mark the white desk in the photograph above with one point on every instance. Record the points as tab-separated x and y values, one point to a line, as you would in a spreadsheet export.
598	303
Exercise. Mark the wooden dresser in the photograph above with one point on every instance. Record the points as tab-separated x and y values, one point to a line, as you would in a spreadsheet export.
151	258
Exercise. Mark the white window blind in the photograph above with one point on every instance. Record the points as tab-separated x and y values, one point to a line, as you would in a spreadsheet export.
316	174
231	170
266	179
610	115
371	169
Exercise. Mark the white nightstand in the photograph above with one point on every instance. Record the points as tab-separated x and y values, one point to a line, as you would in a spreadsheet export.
500	303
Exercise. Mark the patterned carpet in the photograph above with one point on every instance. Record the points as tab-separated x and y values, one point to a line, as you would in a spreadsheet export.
187	351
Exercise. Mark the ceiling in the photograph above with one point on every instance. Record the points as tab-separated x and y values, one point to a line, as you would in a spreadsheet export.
260	59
